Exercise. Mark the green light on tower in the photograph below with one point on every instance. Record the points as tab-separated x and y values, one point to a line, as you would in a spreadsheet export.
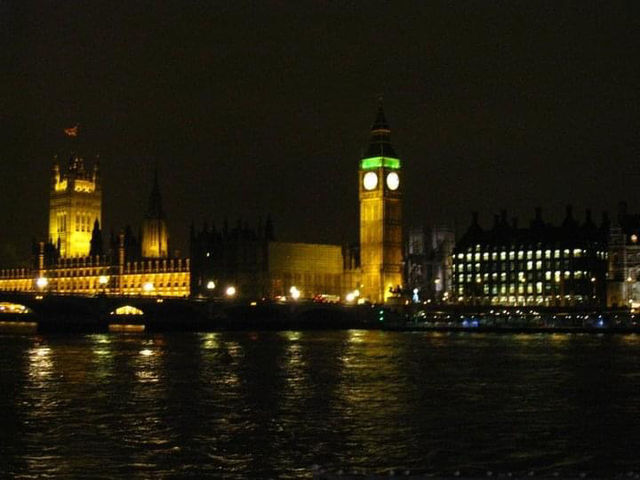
377	162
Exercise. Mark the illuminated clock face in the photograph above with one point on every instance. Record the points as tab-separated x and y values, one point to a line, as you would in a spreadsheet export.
393	181
370	180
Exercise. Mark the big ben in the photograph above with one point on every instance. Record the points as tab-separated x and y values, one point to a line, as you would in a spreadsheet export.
380	187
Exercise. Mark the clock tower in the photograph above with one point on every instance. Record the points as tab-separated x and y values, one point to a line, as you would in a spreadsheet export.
380	187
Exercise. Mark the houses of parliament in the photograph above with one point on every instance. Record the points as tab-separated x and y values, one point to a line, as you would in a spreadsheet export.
241	261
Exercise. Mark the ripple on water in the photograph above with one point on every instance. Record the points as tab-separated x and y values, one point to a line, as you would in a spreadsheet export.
245	405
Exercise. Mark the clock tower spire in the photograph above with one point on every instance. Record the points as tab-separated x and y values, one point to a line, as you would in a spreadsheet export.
380	214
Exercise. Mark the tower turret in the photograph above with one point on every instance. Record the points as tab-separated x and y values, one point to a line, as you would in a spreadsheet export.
75	204
155	237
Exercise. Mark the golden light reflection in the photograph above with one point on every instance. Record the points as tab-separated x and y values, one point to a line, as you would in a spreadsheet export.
126	328
559	337
293	336
18	327
40	363
147	363
631	338
357	336
211	341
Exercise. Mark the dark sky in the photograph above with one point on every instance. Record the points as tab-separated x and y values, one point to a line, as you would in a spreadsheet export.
250	108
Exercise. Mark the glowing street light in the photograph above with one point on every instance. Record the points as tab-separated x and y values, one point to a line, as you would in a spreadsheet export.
295	293
230	291
103	280
42	282
148	287
211	285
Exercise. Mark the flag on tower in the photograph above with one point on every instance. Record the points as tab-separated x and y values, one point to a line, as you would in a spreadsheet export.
72	131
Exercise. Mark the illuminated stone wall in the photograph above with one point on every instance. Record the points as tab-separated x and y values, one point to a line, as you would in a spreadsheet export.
155	238
314	269
17	279
95	276
164	278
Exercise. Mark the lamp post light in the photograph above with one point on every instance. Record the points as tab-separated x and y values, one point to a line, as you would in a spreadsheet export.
103	280
295	293
148	287
230	291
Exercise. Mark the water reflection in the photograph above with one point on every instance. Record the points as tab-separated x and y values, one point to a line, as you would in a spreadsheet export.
272	404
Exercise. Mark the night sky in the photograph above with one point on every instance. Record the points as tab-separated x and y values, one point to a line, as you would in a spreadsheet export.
251	108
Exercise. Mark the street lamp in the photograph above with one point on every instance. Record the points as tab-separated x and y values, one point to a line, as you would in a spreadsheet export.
230	291
295	293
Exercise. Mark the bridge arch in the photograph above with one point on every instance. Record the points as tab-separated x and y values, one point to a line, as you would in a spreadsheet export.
127	310
14	308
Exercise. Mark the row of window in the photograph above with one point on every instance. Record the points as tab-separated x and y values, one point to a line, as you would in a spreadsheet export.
528	300
513	266
503	277
538	287
529	254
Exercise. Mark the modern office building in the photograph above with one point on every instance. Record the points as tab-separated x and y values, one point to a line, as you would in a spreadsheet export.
539	265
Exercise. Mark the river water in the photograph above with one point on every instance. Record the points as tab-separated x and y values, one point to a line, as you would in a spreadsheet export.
276	404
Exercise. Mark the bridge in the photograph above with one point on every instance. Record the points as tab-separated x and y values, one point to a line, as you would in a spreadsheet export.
67	313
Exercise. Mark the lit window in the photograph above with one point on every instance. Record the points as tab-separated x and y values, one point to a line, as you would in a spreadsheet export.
566	252
494	256
577	252
477	257
529	255
538	253
539	265
520	255
538	287
567	274
469	257
547	275
547	254
503	255
512	255
529	265
556	254
485	256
